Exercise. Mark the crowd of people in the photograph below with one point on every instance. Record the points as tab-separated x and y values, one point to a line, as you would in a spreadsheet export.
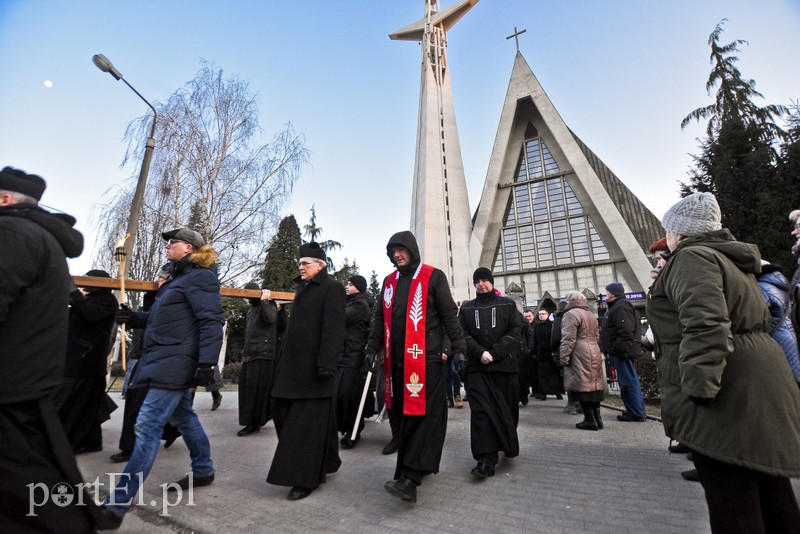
726	352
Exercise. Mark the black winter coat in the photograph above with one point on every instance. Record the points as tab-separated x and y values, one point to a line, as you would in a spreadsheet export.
357	322
314	338
91	320
183	327
491	323
33	299
441	316
260	332
542	332
621	330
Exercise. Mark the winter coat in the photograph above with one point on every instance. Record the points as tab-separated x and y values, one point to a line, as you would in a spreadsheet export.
357	320
441	316
313	339
184	325
260	335
579	352
774	287
711	332
555	335
491	323
542	330
34	293
91	320
621	332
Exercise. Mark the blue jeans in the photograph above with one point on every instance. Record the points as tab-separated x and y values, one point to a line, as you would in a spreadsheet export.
629	388
453	380
160	406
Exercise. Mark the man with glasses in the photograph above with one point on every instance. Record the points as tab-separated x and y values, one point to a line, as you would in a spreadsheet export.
303	388
181	345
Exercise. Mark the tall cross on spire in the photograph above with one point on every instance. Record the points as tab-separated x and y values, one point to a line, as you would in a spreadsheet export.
516	35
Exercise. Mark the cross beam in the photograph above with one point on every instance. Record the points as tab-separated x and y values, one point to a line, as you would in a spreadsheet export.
142	285
516	35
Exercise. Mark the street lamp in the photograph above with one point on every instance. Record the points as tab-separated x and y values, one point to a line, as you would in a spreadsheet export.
105	65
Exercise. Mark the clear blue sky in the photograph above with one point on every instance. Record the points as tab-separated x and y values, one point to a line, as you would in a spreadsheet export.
622	74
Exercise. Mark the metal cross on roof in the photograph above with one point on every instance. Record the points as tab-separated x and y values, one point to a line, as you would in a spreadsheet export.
516	35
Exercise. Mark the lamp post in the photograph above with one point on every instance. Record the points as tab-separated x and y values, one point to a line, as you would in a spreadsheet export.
105	65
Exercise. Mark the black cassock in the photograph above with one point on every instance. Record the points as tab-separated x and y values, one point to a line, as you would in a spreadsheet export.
494	413
254	381
349	388
305	454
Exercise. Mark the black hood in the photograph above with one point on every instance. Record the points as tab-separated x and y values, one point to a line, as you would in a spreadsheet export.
404	239
60	225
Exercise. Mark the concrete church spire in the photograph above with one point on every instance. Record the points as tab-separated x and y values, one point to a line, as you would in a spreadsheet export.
440	213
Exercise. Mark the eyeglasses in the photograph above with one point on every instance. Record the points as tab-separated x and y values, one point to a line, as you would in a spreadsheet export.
305	263
174	241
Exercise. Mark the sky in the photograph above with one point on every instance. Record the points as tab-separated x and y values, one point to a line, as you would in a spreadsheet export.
622	74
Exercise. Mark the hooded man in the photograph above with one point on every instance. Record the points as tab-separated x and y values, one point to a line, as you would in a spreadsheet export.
491	326
415	312
34	318
303	388
181	345
260	345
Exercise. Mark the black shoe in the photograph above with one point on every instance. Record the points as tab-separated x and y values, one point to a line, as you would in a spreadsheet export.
482	470
691	475
297	493
597	419
403	488
90	448
533	395
690	457
679	448
246	431
121	456
169	441
524	401
347	443
629	418
390	447
541	397
587	425
559	396
216	403
196	482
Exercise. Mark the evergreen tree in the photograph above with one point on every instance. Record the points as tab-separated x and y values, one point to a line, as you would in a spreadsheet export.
313	232
347	270
738	161
374	288
280	267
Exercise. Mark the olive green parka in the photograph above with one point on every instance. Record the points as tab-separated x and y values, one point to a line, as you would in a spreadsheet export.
711	330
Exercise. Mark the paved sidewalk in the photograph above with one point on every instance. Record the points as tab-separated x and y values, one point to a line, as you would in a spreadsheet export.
620	479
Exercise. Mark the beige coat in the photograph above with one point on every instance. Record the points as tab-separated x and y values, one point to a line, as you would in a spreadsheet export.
579	351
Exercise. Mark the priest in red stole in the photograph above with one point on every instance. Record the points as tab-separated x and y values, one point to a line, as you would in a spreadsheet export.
414	312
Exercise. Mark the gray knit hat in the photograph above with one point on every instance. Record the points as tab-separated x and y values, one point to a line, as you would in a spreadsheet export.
692	215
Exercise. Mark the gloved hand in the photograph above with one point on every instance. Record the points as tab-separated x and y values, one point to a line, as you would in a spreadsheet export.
204	374
701	401
323	373
461	365
369	360
123	314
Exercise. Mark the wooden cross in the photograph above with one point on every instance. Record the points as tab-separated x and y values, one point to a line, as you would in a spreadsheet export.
141	285
414	351
516	35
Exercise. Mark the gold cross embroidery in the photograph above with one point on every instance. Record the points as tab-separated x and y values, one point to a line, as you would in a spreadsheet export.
414	351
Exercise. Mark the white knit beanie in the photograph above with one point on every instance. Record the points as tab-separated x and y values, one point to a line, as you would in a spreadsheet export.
692	215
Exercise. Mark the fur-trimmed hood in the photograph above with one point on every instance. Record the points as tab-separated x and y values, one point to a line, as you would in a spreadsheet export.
204	257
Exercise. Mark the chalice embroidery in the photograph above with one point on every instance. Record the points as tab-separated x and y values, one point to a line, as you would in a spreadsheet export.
414	386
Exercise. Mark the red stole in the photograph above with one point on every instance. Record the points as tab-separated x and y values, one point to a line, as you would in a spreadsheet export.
414	354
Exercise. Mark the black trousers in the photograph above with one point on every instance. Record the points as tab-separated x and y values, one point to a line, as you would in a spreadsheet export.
746	501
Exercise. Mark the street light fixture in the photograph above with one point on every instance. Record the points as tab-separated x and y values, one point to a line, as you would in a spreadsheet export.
105	65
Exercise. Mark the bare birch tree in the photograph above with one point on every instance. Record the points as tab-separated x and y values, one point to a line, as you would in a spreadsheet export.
208	174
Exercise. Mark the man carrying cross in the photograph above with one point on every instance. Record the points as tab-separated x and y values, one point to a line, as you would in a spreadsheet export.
415	311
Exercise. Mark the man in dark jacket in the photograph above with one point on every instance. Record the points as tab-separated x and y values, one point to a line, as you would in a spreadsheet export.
181	345
350	374
491	326
35	454
259	353
416	309
302	394
619	339
81	399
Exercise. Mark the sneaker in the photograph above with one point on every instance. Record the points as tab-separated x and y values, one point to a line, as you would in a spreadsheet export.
459	403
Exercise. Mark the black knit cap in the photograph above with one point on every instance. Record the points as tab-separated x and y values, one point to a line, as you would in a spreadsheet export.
312	250
18	181
359	282
98	272
482	273
252	285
